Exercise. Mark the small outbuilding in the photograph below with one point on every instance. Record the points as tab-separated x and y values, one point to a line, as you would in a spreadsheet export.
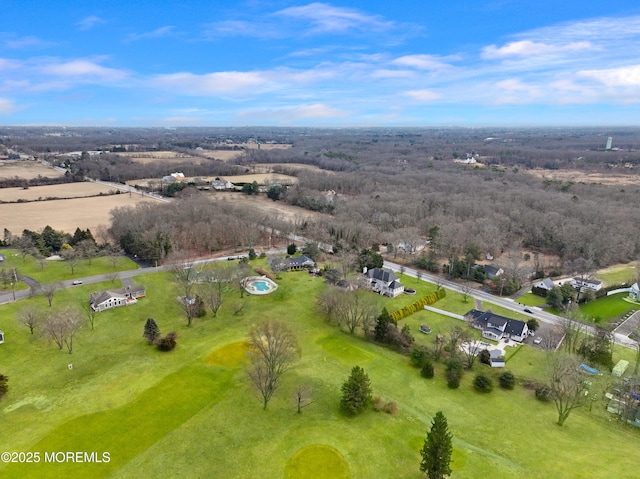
619	369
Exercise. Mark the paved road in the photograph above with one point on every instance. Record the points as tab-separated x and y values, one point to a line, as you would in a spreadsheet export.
507	303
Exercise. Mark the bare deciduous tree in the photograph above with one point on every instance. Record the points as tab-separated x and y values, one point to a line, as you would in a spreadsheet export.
49	290
354	309
303	396
216	288
274	350
566	384
61	326
31	317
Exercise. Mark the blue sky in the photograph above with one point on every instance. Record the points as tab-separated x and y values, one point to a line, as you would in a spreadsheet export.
297	63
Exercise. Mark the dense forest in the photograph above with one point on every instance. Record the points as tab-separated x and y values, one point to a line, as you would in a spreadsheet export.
392	186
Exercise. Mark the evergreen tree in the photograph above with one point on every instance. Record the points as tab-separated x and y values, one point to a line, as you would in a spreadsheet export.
4	385
437	449
151	331
381	329
356	392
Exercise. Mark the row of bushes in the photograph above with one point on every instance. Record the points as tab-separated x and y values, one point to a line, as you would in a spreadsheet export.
419	305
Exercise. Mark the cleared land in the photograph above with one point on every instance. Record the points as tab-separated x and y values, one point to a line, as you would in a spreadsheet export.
63	215
193	411
66	190
585	177
168	157
26	170
260	178
271	208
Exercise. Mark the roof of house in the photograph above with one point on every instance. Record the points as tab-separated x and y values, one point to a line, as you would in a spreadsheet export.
381	274
587	281
102	296
545	283
483	318
300	261
491	269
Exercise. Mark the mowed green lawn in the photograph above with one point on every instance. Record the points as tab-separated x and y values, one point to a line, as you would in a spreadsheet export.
607	308
50	271
192	412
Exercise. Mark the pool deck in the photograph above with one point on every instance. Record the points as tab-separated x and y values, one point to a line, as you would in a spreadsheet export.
251	288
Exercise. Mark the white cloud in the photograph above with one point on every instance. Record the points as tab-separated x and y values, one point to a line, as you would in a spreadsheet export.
88	23
212	84
615	77
29	41
6	106
297	112
86	70
422	62
422	95
157	33
258	29
326	18
530	48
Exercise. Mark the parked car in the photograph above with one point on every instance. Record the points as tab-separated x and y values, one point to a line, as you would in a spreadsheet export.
76	281
538	340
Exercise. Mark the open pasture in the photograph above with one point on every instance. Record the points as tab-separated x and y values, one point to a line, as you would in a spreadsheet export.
167	157
65	190
26	170
64	215
193	413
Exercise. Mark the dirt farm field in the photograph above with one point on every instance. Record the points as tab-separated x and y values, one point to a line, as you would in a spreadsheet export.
66	190
276	209
26	170
260	178
63	215
168	157
585	177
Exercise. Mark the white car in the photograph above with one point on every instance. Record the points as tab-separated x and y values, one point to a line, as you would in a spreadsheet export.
76	282
538	340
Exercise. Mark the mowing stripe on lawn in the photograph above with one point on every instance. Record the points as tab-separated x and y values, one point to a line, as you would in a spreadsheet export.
129	430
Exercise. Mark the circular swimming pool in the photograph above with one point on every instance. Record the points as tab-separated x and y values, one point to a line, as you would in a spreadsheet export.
259	285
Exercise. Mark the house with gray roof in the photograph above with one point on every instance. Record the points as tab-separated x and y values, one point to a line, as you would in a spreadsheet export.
547	284
384	281
496	327
295	263
114	298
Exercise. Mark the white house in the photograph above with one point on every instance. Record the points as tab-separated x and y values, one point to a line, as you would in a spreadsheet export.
384	281
220	185
496	327
108	299
493	271
546	284
582	284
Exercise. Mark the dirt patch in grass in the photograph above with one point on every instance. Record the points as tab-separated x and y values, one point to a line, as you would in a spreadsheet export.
26	170
64	215
66	190
276	209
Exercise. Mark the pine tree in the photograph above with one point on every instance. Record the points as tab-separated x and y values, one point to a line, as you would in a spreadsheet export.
356	392
4	385
437	449
151	331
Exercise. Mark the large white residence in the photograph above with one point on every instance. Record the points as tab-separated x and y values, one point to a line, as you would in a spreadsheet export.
384	281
